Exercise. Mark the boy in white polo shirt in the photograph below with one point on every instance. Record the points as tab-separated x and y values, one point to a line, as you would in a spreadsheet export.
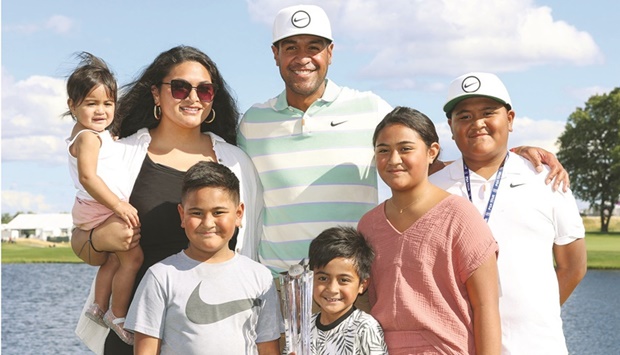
533	225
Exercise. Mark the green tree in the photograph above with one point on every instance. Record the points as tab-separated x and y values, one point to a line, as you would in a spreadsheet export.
7	217
590	151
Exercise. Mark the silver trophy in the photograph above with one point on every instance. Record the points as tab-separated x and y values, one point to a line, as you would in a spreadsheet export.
296	293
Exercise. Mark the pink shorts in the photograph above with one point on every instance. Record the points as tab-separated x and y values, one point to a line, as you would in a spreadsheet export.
88	214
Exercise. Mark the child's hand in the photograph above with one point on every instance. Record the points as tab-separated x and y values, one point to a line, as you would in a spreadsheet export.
127	213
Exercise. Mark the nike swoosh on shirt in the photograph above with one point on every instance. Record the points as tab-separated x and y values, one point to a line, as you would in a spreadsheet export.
516	185
334	124
200	312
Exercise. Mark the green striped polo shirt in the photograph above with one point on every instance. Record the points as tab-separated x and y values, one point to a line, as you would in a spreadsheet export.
316	167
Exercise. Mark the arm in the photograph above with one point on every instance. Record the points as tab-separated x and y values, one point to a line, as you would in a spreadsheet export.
571	266
539	156
483	289
269	347
86	148
146	345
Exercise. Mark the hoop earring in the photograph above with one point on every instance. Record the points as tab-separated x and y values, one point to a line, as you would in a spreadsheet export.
212	119
157	112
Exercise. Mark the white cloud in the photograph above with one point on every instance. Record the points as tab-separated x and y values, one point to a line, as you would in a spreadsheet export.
59	24
23	29
428	37
538	133
25	202
584	94
32	127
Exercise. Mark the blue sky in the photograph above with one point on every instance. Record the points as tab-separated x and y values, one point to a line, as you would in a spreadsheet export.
552	55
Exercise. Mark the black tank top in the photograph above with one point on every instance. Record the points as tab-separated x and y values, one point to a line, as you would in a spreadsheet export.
155	195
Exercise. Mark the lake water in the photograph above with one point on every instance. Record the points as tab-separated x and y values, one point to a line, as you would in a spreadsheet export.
41	304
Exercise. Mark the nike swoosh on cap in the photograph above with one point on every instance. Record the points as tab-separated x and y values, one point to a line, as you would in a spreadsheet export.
200	312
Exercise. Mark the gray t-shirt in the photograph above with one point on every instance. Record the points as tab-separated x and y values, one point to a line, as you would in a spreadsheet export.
195	307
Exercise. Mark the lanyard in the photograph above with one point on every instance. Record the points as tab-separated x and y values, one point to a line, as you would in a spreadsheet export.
498	178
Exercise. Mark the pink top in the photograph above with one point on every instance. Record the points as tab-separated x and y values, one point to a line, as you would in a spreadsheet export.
417	290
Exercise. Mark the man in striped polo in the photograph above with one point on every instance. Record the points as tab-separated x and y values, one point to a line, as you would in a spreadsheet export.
311	144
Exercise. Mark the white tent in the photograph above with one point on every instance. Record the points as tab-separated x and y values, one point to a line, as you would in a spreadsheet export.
40	226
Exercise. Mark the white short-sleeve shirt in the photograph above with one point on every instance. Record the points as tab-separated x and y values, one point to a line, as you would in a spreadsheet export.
527	219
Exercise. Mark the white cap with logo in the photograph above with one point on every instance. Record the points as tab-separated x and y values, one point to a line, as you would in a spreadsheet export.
301	20
475	84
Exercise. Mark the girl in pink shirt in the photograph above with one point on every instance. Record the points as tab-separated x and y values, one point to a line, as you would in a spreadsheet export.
434	286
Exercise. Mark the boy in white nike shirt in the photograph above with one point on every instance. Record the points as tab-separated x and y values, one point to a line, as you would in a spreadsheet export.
207	299
542	253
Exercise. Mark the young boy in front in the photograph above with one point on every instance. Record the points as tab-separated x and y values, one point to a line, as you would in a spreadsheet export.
341	258
206	299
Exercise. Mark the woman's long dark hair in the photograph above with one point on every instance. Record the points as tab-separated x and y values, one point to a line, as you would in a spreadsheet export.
135	107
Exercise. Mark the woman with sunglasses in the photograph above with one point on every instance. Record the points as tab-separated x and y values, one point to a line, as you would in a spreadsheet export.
183	105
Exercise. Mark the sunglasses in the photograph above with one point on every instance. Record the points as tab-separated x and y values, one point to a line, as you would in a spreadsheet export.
181	89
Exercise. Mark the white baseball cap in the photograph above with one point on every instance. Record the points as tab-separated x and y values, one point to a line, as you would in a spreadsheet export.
475	84
301	20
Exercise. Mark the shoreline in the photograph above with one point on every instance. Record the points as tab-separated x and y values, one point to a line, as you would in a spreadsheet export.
603	251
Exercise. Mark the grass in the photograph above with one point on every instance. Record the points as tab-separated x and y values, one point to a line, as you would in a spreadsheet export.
593	224
603	249
33	251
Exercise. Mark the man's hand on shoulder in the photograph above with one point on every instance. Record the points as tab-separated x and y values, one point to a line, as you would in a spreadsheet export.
538	156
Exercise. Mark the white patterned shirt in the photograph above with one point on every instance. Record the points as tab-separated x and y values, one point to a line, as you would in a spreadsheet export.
355	333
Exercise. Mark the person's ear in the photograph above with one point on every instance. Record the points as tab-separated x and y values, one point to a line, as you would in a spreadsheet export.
155	93
239	213
363	286
450	124
180	209
71	106
276	52
511	118
433	152
330	49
